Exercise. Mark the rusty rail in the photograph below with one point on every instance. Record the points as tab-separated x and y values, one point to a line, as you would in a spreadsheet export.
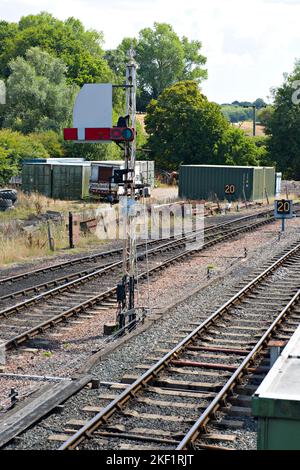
153	371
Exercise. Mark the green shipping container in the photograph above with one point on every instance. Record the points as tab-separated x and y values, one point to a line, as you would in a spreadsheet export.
276	403
68	181
37	178
229	183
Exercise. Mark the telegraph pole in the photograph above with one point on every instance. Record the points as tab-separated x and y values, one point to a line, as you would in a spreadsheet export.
254	120
253	106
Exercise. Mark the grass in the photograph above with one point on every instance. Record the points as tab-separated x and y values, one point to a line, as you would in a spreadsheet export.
23	247
20	246
36	204
47	353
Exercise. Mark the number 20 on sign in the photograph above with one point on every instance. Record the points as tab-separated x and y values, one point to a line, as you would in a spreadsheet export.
283	210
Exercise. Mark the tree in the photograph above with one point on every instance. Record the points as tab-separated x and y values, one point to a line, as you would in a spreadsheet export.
183	126
259	103
7	167
79	49
262	143
163	59
51	141
283	126
237	149
118	58
7	31
38	97
264	115
92	151
15	147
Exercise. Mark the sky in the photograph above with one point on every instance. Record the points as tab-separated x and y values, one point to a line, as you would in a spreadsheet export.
248	44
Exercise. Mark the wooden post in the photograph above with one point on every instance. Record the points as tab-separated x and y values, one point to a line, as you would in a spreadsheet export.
50	238
267	196
218	203
71	242
245	200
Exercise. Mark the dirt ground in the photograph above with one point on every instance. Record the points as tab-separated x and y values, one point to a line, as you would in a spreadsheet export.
165	193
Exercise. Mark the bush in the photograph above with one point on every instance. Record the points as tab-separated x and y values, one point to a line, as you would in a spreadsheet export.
15	147
51	142
237	149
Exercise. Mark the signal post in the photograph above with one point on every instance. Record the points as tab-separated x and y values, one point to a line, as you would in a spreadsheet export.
92	120
283	210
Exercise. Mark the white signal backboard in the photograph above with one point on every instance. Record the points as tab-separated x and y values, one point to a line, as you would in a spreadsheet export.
93	106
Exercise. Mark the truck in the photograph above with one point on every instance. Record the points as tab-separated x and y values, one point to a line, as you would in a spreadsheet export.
102	182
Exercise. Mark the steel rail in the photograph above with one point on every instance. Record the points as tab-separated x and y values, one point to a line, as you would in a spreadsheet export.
154	370
172	244
40	328
200	424
104	254
99	272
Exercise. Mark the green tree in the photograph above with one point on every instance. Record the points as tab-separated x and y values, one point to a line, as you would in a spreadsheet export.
51	141
15	147
264	115
79	49
7	167
260	103
283	126
7	32
184	127
237	149
262	143
38	97
118	58
162	58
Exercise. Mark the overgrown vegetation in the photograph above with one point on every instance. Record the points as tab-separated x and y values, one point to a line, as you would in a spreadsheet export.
14	147
36	204
283	124
184	127
25	247
19	245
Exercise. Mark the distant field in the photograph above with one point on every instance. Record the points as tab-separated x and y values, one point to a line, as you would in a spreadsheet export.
247	127
141	118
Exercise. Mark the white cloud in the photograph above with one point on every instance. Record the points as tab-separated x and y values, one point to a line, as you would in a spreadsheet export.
248	44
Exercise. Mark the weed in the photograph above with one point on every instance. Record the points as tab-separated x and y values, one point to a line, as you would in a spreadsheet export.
47	353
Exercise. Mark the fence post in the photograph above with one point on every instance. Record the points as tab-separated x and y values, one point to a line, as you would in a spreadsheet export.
71	241
50	238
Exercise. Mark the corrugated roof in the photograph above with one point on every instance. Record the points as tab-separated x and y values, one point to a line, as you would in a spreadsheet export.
226	166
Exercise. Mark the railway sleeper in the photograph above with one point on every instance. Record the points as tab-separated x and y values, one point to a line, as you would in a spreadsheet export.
178	384
232	410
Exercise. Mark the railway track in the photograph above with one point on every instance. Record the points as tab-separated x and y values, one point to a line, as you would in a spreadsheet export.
41	279
196	393
35	315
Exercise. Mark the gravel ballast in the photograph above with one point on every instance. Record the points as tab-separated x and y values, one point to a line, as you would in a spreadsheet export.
262	246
